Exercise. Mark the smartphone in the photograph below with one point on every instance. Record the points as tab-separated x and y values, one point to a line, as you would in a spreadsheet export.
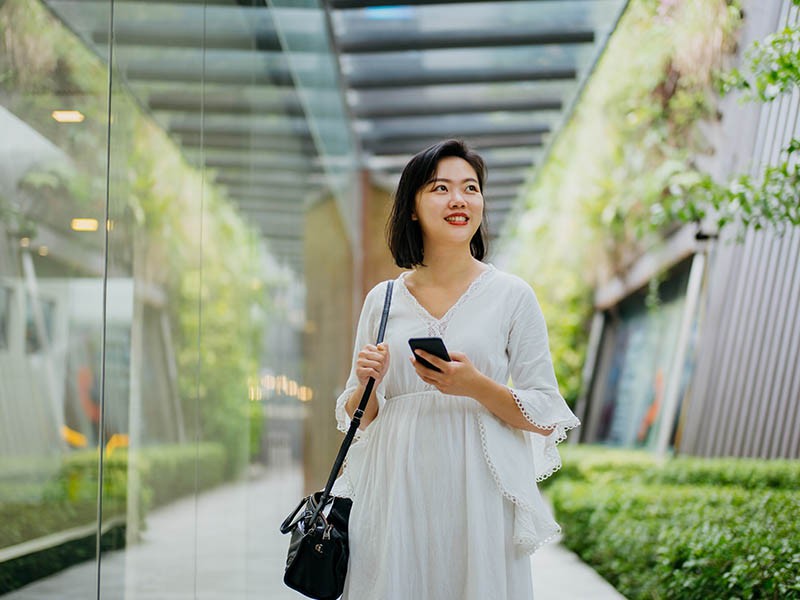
432	345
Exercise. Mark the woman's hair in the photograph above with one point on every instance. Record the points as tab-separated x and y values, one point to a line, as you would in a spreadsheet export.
404	234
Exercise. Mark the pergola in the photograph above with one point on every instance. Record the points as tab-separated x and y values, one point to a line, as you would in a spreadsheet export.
288	101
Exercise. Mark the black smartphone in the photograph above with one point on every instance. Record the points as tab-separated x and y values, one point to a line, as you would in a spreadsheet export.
432	345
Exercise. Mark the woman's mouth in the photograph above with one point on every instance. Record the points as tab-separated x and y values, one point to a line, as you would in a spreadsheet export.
457	219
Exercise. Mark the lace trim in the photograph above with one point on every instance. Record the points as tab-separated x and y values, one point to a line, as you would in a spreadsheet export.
495	474
551	452
531	545
528	544
526	414
342	418
438	326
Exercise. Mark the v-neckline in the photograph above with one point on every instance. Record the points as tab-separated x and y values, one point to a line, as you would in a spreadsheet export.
459	301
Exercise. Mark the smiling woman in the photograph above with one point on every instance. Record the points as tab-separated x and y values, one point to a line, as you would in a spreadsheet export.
458	450
445	173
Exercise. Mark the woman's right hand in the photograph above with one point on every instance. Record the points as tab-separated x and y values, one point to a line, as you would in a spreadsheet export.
372	361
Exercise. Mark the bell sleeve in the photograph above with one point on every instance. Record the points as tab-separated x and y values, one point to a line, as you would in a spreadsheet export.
533	383
366	333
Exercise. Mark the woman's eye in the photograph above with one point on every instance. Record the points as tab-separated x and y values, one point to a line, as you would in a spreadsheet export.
440	188
472	188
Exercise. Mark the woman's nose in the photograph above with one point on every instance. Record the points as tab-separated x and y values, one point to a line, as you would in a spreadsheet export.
456	199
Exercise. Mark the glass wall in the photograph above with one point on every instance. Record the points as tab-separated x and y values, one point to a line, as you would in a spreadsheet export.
156	171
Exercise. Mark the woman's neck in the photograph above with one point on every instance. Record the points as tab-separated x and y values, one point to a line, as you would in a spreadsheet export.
443	267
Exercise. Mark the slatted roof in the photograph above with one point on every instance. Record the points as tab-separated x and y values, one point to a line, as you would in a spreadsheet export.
286	102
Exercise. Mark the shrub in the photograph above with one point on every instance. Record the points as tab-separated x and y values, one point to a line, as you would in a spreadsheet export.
685	529
69	498
171	472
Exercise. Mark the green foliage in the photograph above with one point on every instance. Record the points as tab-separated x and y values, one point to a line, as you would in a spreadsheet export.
687	528
772	67
187	238
172	472
589	211
771	200
69	497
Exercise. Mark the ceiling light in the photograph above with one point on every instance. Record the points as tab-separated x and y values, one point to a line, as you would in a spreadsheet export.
84	224
43	251
68	116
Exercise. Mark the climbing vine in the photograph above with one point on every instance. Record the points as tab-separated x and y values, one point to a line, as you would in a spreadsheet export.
601	197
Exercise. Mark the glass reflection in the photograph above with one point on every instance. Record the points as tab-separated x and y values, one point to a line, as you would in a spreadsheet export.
152	297
52	171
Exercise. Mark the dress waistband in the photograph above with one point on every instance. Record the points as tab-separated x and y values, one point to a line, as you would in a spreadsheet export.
433	392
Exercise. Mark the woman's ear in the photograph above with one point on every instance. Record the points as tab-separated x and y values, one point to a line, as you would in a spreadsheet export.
414	216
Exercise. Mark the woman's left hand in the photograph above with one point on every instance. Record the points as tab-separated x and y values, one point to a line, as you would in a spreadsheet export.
458	377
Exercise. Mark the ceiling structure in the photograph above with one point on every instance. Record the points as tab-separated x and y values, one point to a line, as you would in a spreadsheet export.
285	103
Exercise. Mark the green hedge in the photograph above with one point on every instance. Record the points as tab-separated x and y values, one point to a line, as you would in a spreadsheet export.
69	498
684	529
174	472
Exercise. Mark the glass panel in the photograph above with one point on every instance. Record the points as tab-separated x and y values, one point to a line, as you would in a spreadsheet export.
53	115
305	33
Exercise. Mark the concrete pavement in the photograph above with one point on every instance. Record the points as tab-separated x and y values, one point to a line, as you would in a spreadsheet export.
225	545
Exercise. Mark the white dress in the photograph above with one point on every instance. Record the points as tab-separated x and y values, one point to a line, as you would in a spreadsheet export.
445	503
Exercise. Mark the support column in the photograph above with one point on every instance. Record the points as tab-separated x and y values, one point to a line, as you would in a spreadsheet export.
673	388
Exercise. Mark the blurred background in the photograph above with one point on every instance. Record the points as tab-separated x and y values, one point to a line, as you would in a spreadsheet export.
192	205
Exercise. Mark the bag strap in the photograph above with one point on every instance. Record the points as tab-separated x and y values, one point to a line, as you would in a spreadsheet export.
359	412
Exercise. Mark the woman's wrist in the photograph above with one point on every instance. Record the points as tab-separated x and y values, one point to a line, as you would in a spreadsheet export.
486	390
351	404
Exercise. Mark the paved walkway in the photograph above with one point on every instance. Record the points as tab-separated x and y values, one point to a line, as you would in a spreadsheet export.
225	545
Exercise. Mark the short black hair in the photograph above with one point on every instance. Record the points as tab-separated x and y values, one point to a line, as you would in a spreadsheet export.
404	234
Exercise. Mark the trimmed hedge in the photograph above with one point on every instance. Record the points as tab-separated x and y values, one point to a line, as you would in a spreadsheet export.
69	498
685	529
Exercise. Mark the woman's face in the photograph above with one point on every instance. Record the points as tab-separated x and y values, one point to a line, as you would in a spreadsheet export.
449	207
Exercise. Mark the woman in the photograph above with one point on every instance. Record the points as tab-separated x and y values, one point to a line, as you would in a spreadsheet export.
443	475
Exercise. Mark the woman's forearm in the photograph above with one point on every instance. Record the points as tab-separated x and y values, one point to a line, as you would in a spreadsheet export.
371	410
499	400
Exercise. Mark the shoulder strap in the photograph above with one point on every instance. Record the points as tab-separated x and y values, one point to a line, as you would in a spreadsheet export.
359	412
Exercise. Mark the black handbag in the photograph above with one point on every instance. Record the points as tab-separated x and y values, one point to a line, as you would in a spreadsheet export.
316	564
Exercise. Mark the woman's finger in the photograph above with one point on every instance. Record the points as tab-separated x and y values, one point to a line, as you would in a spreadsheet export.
374	355
434	360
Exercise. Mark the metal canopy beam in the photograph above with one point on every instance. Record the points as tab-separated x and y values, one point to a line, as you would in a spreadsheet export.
278	177
231	104
471	132
349	4
415	144
454	108
250	162
290	187
226	3
435	40
150	73
291	191
152	38
235	127
460	76
246	141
